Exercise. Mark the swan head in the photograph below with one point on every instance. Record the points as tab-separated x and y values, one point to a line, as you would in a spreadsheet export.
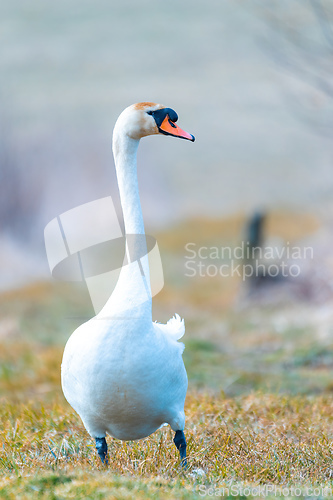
148	118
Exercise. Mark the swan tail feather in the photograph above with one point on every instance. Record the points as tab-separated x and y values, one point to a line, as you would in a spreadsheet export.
175	327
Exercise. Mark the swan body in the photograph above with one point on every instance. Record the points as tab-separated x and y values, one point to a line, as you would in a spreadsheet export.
126	382
121	372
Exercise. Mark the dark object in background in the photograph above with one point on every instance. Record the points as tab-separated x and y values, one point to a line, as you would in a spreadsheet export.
254	230
255	254
271	280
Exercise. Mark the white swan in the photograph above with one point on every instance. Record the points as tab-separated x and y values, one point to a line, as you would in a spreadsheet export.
122	373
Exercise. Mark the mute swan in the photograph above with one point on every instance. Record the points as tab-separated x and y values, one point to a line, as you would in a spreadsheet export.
122	373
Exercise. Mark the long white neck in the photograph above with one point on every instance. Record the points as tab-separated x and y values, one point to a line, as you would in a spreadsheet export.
132	296
125	151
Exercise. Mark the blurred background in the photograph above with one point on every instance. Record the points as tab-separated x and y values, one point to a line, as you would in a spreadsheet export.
253	83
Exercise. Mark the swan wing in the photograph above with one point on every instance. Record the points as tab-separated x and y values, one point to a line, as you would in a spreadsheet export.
175	327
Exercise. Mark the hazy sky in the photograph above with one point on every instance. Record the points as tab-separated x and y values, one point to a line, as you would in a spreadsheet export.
68	69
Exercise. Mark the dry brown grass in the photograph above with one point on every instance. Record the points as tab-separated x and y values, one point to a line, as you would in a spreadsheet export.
256	439
206	231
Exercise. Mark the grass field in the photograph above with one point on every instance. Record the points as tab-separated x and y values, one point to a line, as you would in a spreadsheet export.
259	406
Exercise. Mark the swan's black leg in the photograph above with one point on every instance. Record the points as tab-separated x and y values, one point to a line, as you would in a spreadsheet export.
180	443
102	449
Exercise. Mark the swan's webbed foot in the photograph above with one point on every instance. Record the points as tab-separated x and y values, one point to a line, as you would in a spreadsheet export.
180	443
102	449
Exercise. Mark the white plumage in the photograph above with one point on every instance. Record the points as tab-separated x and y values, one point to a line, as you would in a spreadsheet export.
125	380
122	373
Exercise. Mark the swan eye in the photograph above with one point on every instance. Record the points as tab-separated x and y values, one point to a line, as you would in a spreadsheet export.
150	112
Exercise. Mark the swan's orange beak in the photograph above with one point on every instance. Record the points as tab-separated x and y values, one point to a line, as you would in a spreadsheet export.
169	127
